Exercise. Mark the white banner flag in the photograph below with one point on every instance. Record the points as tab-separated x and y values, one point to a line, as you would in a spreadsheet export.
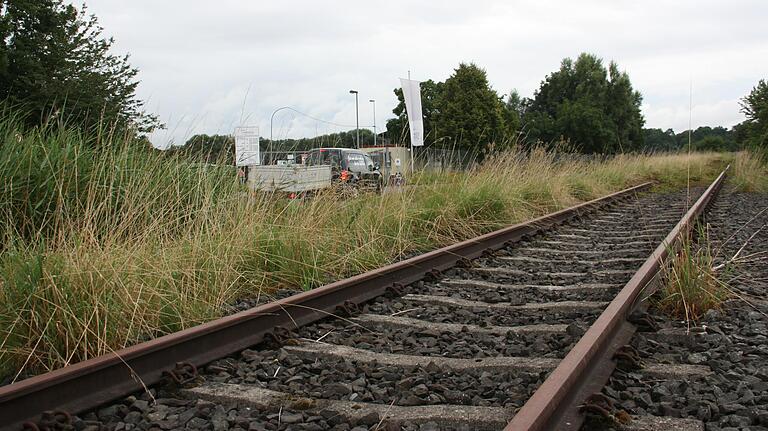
412	96
247	146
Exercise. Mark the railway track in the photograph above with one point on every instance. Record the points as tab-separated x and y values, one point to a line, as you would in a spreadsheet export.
513	329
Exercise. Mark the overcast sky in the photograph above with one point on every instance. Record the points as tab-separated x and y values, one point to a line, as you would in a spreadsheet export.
209	66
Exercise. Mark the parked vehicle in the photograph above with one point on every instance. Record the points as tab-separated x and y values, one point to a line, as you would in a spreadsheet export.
322	168
348	167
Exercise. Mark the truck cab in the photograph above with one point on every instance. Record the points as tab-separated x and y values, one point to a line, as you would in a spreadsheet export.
348	166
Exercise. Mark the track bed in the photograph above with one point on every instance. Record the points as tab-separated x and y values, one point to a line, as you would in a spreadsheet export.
463	349
729	345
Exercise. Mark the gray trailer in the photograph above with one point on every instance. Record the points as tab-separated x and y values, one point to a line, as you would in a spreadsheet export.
293	178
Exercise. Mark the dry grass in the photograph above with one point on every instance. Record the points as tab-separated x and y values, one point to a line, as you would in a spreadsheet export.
692	284
147	248
750	171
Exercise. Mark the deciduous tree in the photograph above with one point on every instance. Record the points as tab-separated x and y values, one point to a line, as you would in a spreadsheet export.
397	128
55	64
594	108
471	114
754	130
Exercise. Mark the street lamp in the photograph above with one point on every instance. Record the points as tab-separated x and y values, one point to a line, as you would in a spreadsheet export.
374	121
357	119
271	119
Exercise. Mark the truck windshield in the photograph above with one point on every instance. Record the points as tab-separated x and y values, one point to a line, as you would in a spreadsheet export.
323	157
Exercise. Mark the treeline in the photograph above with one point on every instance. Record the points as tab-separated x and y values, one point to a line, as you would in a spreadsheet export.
221	148
55	67
589	107
586	106
702	139
592	107
752	133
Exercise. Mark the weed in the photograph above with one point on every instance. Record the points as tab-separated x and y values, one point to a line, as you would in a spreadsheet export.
692	284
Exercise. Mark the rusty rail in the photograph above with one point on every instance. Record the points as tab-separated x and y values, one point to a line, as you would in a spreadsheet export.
87	384
587	367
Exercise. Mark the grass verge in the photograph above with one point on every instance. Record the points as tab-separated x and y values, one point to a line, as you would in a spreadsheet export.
106	248
750	171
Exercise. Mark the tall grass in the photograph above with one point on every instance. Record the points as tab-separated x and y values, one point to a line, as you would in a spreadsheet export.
750	171
105	248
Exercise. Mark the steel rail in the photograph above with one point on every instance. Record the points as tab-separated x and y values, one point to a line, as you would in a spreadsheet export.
555	405
90	383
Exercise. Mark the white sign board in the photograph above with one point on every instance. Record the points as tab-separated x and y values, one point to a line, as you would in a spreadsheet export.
412	96
247	146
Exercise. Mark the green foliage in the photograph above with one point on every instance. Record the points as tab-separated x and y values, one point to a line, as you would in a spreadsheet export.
595	109
753	132
55	180
710	143
471	114
345	139
660	140
462	113
513	113
704	138
397	128
207	148
55	65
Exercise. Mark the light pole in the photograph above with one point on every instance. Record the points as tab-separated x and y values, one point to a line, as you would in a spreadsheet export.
270	129
357	119
374	121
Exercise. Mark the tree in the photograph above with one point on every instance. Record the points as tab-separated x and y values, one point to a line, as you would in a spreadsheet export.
55	64
208	148
703	138
595	109
718	138
397	128
710	143
513	113
471	114
623	107
660	140
753	131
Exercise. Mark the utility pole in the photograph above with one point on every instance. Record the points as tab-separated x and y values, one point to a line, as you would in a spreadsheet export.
357	119
374	121
271	120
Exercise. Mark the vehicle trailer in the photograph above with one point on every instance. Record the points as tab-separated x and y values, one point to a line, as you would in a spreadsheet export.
320	168
295	179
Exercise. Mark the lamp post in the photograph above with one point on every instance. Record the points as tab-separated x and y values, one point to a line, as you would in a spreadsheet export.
357	119
270	129
374	121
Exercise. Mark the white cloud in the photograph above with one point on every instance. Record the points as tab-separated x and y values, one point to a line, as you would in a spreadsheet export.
202	62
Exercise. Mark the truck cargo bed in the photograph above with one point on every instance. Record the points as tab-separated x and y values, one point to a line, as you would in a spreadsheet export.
291	178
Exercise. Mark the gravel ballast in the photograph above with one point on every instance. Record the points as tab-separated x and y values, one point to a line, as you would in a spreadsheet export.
598	272
732	342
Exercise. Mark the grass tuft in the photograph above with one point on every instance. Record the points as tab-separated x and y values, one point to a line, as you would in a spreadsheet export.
692	284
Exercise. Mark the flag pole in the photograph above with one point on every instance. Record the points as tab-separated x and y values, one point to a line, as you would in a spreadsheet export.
412	148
